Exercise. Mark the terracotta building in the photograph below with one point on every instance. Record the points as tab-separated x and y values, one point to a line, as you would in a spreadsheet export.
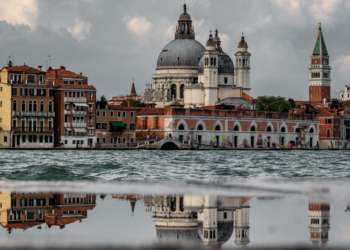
75	115
26	107
115	125
230	128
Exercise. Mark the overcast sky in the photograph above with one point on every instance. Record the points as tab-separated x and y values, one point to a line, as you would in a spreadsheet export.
114	41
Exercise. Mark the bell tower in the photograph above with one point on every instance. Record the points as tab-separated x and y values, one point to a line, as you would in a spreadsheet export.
243	66
210	72
319	71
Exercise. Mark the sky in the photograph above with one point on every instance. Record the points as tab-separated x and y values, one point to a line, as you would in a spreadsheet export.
113	42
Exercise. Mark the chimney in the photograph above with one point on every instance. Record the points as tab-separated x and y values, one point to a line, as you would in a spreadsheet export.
9	64
81	73
63	68
40	67
128	101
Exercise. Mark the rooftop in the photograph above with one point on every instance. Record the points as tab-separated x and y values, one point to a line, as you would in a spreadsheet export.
63	73
75	87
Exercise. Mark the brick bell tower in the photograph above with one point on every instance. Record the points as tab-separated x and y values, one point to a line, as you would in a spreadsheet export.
319	71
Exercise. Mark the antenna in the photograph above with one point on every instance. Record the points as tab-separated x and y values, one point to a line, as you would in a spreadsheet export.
49	61
13	58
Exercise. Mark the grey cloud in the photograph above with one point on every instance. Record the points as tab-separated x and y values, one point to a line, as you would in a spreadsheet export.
280	39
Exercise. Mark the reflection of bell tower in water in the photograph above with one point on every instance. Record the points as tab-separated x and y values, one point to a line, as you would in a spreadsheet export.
242	225
319	222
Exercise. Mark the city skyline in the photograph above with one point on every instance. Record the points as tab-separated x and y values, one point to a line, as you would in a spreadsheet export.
91	37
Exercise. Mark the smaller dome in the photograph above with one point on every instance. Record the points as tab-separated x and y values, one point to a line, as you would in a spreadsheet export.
210	42
242	43
185	17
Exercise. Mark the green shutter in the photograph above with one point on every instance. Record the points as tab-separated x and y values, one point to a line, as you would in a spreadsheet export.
117	124
98	125
104	125
132	126
125	127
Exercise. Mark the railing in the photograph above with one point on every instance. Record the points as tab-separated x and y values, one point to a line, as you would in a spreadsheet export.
32	129
15	113
79	125
67	112
52	114
79	112
34	113
75	99
67	124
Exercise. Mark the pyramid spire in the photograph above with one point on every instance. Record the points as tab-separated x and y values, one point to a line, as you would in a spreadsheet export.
320	45
132	204
133	90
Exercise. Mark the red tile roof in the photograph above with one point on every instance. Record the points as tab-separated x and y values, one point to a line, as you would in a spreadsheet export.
75	87
176	104
120	107
207	107
247	97
62	73
21	68
150	111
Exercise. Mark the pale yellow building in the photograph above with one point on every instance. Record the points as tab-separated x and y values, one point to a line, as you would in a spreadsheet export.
5	110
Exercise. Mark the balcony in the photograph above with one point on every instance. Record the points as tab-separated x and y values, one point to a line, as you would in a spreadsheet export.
79	125
67	112
67	124
52	114
74	99
15	113
32	130
34	113
79	112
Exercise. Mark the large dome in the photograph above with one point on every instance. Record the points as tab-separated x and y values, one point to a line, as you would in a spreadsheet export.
181	53
225	64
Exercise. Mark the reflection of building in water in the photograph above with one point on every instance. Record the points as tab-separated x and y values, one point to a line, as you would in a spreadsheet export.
131	198
23	210
69	208
319	222
196	218
174	223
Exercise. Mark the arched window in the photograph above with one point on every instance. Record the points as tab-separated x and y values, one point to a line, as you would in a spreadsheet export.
236	128
42	106
34	106
173	91
311	130
252	129
214	61
211	61
243	62
14	105
50	107
173	204
240	62
217	128
328	133
269	129
200	127
182	91
30	106
181	127
283	129
23	105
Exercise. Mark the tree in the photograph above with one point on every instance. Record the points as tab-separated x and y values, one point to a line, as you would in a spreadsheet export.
273	104
133	103
292	102
103	99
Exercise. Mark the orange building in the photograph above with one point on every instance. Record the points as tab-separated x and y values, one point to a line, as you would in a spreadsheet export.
75	115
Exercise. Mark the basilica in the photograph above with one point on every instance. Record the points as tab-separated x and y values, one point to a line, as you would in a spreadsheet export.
193	76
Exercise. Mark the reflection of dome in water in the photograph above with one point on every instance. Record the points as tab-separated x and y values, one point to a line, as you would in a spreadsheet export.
180	235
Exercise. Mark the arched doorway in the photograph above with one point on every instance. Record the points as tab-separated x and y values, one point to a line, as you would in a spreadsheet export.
169	146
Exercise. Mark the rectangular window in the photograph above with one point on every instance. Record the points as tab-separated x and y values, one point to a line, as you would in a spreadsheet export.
98	113
65	82
104	125
112	114
90	96
119	113
23	202
14	202
5	139
51	139
79	82
131	114
225	80
73	142
24	91
50	92
98	125
34	138
90	120
124	114
23	138
46	138
41	79
31	78
90	199
14	91
104	113
103	140
30	138
30	216
132	126
225	215
71	82
41	140
79	212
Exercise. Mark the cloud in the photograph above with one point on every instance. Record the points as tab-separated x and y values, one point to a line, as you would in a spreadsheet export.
80	30
342	63
19	12
139	25
323	10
